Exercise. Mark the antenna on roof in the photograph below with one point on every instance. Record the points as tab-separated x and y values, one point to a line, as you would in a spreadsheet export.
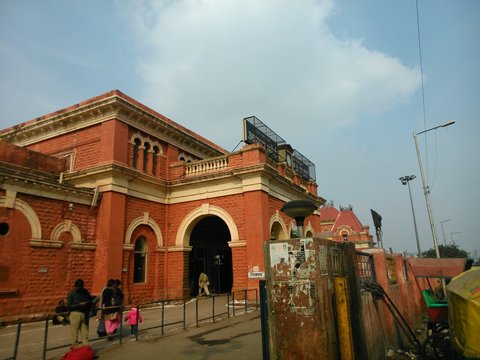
237	145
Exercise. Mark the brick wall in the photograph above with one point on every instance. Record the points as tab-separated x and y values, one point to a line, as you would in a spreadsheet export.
36	277
86	143
10	153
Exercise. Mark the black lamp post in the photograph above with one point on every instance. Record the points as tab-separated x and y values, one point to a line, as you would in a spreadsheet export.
299	210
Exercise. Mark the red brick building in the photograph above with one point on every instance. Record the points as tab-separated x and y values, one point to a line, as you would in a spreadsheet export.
343	225
109	188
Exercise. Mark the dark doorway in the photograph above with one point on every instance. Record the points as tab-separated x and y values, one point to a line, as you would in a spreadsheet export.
211	254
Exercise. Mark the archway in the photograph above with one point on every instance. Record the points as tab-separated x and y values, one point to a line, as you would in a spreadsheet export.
211	254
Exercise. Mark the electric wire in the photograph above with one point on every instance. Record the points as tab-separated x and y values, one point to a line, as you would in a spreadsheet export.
436	161
423	88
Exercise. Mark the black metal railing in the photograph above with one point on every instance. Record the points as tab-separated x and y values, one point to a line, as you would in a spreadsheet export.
244	299
192	314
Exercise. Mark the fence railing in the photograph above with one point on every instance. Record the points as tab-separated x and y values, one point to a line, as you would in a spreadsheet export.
184	313
244	298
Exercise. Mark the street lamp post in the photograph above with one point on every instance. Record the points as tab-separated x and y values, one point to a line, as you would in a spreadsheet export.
299	210
426	189
406	181
443	231
451	235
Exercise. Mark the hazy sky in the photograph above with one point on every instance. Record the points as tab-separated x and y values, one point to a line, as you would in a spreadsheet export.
338	80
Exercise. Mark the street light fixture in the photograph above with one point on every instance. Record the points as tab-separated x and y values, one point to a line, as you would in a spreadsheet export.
299	210
443	231
426	189
406	181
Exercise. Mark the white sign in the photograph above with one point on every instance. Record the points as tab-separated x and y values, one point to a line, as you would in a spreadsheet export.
256	274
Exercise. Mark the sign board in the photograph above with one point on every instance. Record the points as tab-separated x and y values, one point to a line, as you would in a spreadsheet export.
301	169
256	275
253	134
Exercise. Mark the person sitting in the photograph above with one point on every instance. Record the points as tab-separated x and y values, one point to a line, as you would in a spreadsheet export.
61	314
203	285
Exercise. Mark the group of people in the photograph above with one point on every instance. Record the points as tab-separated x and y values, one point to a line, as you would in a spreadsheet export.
110	309
111	302
109	315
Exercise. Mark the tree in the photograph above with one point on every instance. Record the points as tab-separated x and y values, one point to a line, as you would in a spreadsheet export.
446	251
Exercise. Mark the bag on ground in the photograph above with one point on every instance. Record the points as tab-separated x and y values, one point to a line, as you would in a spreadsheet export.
101	331
79	353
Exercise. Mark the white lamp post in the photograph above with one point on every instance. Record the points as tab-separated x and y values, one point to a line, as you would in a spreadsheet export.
406	181
426	189
451	235
443	231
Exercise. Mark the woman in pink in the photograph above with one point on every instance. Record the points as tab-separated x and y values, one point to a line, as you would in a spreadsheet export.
133	321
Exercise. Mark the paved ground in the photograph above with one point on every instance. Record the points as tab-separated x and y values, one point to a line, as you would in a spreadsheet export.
237	338
239	335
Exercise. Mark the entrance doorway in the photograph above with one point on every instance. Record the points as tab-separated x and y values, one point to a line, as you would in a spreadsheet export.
211	254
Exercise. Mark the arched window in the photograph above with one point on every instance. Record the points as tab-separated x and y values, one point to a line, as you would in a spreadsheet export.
146	149
156	150
136	146
140	261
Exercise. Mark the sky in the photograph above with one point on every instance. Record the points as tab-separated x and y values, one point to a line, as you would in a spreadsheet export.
340	81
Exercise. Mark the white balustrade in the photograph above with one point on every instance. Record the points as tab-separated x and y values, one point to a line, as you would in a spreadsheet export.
205	166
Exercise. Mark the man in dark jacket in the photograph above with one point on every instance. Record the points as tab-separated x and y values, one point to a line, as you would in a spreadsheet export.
79	302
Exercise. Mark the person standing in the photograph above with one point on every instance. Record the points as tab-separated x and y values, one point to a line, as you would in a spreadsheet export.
78	302
203	284
133	321
109	309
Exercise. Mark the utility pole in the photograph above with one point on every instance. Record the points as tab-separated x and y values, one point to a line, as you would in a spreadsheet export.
426	188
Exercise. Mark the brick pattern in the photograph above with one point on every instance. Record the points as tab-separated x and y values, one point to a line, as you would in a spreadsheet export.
85	142
43	275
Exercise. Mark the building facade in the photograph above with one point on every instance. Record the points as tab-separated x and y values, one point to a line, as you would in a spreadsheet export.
344	225
109	188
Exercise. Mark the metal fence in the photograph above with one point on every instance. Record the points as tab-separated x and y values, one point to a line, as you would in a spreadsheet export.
163	314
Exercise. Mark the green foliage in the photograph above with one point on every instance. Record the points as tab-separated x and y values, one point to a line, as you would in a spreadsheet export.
446	251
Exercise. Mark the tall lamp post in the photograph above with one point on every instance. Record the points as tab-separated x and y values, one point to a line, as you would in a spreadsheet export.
406	181
426	189
451	235
443	231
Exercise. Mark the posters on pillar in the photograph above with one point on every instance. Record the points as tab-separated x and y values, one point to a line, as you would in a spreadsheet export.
295	260
278	260
294	267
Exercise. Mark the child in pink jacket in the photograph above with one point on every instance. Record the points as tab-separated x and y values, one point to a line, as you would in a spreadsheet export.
132	320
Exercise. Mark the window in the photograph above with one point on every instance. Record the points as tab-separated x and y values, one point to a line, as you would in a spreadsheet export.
140	261
136	147
156	151
392	276
4	228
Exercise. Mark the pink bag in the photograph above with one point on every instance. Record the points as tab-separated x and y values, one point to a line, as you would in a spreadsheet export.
79	353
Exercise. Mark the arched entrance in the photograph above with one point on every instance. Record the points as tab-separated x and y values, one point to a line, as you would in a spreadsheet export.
210	254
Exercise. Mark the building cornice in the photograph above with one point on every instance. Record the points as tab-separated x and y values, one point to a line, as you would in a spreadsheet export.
103	108
25	180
